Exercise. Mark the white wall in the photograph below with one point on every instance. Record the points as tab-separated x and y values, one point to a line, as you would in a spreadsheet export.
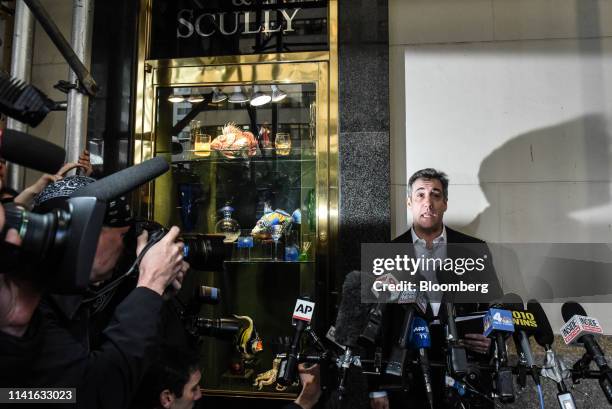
512	100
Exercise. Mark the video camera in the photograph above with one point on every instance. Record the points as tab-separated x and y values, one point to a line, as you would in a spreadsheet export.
62	242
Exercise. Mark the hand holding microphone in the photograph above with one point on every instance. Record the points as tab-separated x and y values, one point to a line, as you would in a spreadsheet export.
477	343
310	378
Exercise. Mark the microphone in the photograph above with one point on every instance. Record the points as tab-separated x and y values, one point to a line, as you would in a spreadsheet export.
456	353
352	313
514	302
25	103
124	181
412	300
350	323
375	316
421	341
551	368
302	315
579	328
498	325
30	151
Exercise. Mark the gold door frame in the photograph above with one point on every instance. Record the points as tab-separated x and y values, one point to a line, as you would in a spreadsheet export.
320	67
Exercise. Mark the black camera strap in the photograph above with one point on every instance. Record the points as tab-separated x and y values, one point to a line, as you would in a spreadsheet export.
113	284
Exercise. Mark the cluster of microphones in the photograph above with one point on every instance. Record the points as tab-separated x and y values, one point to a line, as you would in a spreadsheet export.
358	327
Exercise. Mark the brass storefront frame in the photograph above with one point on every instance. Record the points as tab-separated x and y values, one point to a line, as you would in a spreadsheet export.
320	67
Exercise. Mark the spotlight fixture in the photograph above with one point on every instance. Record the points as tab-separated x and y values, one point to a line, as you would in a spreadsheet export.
218	96
174	98
237	96
195	98
277	94
259	98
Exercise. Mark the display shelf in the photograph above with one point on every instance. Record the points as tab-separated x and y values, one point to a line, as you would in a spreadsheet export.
263	155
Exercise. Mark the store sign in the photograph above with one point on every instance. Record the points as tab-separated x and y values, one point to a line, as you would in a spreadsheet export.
192	28
230	25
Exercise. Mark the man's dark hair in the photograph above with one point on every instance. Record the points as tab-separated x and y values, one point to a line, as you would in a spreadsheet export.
429	174
171	371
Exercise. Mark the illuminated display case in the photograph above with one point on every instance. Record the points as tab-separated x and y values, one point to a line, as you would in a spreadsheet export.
252	143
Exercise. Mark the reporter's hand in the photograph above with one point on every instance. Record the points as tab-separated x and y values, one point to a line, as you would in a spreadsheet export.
26	198
477	343
85	162
311	386
379	403
68	167
162	262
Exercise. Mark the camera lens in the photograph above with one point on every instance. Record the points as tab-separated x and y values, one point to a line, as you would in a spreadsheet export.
204	252
41	234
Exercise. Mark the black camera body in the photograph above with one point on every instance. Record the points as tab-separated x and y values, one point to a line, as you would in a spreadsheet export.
58	248
204	252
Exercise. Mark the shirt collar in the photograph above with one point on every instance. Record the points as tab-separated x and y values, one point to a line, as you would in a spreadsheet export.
440	239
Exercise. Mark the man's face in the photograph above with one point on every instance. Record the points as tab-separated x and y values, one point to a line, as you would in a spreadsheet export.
110	247
191	393
427	204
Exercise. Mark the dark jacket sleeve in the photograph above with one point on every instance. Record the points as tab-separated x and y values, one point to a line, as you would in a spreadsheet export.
292	405
115	371
18	354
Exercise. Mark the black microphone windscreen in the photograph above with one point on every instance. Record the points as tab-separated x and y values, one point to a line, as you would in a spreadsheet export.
30	151
125	180
513	301
544	334
571	308
352	313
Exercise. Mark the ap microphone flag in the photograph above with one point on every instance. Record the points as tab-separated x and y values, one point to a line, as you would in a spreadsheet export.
303	310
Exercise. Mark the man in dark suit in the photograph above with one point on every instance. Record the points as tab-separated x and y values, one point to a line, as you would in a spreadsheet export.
430	238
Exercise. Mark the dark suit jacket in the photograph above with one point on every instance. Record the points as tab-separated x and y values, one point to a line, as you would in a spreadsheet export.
463	246
394	317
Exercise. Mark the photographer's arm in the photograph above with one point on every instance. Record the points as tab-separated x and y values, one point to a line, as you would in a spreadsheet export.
133	333
26	198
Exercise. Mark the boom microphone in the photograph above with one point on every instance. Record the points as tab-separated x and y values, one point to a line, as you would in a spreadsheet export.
30	151
580	328
124	181
551	368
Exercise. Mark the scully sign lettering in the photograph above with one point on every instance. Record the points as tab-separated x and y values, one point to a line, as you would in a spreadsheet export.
203	24
200	28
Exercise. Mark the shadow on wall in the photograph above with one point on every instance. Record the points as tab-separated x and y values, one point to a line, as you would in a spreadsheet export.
549	186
